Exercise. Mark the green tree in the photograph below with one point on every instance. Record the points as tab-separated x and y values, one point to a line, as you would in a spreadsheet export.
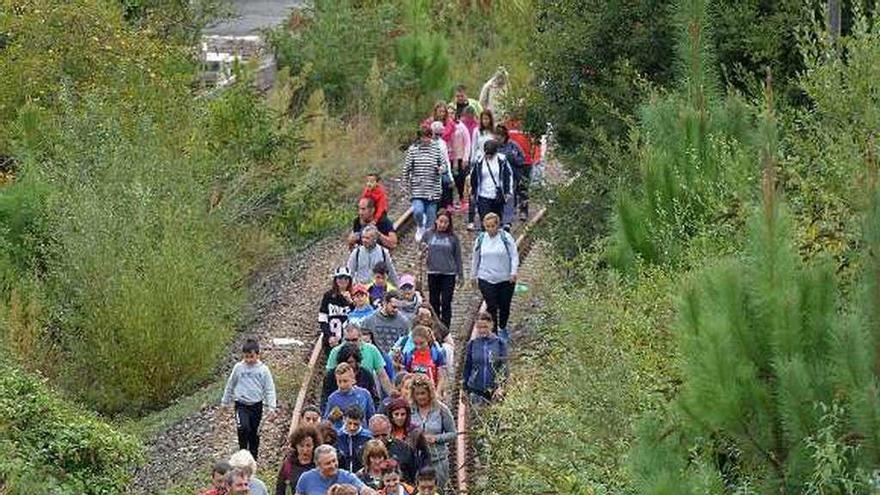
765	354
691	159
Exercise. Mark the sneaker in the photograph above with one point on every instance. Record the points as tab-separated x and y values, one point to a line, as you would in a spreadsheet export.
523	217
456	205
419	233
471	227
504	335
506	227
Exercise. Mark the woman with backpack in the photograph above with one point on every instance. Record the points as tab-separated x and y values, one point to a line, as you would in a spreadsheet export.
495	264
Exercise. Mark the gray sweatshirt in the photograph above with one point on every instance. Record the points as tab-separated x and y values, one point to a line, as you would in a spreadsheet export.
250	384
438	422
362	260
386	330
444	253
495	258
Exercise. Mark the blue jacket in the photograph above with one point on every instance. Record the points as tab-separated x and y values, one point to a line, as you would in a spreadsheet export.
343	400
351	447
485	364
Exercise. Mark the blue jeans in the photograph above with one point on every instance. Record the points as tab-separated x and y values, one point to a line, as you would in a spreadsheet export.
424	212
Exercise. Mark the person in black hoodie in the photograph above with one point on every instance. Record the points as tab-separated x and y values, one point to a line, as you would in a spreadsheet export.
335	306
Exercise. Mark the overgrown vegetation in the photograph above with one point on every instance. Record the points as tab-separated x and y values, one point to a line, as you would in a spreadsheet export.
717	336
138	212
50	446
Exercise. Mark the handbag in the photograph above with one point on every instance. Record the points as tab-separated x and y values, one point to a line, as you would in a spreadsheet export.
499	192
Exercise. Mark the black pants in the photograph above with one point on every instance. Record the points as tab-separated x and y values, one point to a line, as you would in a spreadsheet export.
460	172
440	291
498	298
445	195
486	206
247	421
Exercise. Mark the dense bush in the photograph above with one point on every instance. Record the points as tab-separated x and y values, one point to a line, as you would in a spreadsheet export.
50	446
136	212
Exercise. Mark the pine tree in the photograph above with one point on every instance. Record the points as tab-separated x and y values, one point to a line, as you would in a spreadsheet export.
779	390
690	140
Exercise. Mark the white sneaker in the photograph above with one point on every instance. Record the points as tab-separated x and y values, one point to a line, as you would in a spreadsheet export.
420	231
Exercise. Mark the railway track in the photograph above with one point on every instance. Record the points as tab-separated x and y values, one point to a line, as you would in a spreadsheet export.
467	303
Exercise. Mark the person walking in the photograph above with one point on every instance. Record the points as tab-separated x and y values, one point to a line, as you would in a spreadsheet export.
461	156
443	264
485	362
516	158
365	257
334	308
423	167
492	182
494	266
483	133
437	424
250	386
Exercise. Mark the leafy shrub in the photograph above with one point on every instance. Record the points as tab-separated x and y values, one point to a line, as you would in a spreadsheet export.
354	33
603	355
52	447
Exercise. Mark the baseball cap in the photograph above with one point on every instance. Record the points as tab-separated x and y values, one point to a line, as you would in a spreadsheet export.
407	280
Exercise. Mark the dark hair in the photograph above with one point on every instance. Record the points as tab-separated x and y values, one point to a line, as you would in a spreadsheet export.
221	467
250	345
460	87
427	474
347	351
391	294
374	174
485	316
444	213
310	408
491	121
501	132
303	432
328	432
334	288
380	268
490	147
354	412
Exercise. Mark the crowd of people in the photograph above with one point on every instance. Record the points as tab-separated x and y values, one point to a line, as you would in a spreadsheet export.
382	423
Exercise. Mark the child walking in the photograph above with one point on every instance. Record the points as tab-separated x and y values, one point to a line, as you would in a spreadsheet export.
250	386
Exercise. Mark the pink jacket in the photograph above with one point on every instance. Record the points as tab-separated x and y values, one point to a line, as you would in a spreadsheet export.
461	143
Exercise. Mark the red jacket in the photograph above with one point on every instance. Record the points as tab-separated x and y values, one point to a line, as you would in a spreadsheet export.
531	151
377	194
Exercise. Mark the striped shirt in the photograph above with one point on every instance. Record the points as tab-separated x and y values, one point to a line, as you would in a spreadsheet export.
421	170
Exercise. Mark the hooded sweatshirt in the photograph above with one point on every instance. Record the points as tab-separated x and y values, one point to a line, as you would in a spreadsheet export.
362	260
350	447
485	362
249	384
380	197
